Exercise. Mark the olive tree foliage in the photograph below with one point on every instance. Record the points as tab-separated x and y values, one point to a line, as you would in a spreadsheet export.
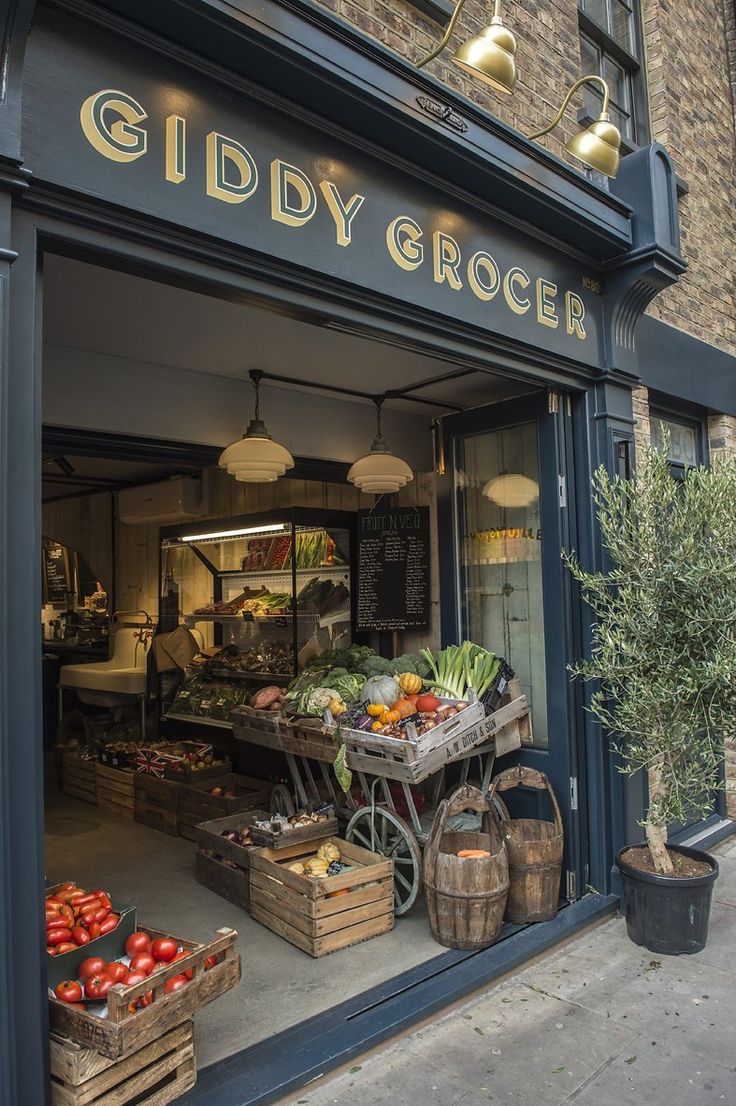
663	652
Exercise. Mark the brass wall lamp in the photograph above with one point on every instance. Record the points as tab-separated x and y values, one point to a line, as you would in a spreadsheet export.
598	146
490	55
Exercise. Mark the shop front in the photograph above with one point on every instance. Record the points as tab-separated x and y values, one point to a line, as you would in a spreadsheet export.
198	196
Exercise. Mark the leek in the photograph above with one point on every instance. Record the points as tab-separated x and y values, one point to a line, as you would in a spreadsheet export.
457	668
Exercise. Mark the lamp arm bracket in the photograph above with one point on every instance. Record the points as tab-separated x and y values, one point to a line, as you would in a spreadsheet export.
450	28
592	78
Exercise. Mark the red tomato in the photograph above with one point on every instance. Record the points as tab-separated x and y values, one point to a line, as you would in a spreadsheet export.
67	946
188	972
108	924
104	898
97	986
66	893
137	942
147	999
81	898
164	948
58	936
80	935
77	1006
176	983
115	971
142	962
68	991
93	965
90	909
134	977
427	702
50	951
94	930
210	963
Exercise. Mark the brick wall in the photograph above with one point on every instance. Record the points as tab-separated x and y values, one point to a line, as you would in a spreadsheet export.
691	78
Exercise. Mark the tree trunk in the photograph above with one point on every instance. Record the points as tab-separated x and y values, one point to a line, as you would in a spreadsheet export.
657	847
657	834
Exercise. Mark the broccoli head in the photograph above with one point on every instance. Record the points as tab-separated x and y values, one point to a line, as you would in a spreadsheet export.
376	666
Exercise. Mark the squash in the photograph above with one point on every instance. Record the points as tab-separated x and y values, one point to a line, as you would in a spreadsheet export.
469	854
328	852
404	708
381	689
316	866
375	710
297	867
410	683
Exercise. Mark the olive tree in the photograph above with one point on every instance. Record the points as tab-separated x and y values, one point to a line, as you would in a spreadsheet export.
663	652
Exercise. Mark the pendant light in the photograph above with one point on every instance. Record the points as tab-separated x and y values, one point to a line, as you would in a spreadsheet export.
511	489
379	472
489	56
598	145
256	458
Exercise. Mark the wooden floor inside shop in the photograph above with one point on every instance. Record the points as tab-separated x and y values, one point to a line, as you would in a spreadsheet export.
280	986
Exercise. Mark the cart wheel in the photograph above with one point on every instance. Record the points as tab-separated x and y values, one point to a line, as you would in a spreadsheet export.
499	805
382	831
281	801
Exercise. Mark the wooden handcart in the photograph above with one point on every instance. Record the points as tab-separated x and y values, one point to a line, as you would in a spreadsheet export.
386	767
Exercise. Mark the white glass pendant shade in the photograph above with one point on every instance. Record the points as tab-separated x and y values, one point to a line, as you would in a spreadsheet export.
379	472
256	458
511	489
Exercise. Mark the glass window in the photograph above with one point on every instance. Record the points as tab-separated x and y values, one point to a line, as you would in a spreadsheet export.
684	448
501	555
610	47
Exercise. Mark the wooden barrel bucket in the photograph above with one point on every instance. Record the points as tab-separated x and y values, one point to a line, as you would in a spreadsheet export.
466	897
534	849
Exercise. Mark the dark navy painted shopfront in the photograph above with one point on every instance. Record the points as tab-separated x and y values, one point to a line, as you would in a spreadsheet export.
283	159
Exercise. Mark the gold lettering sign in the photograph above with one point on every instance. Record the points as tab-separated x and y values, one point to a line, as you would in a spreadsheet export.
111	122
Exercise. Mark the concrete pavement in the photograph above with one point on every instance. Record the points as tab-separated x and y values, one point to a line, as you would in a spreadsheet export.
600	1022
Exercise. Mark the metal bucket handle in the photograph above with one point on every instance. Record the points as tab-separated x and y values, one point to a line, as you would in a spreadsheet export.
527	777
466	797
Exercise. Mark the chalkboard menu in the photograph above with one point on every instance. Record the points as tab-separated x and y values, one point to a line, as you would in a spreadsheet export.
393	569
56	574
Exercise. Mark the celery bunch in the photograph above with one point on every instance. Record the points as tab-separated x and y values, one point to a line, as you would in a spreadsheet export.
459	667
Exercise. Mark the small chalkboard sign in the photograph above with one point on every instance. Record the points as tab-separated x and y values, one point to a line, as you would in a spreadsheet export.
393	569
56	574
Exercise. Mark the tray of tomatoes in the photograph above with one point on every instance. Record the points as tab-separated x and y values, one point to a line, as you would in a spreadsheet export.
81	923
153	980
143	956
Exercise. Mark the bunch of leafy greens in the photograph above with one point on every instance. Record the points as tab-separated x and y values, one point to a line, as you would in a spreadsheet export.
343	684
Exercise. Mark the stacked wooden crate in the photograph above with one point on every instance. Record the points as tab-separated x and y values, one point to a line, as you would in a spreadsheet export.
197	803
144	1057
115	789
78	776
155	802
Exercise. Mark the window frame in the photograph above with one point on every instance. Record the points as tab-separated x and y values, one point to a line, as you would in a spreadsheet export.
682	417
634	66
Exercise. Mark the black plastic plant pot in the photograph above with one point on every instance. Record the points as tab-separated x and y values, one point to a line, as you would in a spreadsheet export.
667	914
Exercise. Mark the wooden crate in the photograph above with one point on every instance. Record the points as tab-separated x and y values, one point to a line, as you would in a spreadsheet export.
267	721
155	802
309	737
409	762
115	789
181	772
196	804
121	1032
154	1075
78	777
295	836
233	883
245	730
306	912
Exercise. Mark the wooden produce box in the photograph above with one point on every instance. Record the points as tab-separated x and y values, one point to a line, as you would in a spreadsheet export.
307	912
310	737
295	836
155	802
268	721
78	777
154	1075
121	1032
222	865
197	803
411	762
181	771
115	789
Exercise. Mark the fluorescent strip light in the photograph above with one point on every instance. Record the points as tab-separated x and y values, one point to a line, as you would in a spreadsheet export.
271	529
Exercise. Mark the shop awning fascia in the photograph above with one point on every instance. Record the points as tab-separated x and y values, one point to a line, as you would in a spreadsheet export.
297	49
